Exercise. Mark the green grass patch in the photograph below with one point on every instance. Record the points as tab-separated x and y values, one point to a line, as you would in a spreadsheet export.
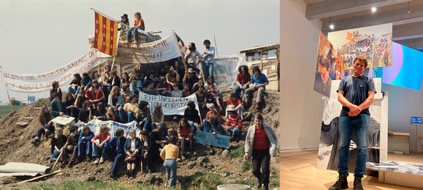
5	109
239	152
207	181
246	165
251	183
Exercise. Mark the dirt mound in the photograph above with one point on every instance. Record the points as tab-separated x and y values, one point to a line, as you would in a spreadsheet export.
227	166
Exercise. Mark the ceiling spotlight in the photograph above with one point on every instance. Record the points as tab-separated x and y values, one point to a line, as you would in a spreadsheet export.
331	26
374	9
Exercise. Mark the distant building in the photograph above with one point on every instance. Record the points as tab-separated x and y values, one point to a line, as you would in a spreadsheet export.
31	99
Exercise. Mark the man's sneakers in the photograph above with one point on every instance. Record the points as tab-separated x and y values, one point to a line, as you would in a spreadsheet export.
101	160
342	183
96	161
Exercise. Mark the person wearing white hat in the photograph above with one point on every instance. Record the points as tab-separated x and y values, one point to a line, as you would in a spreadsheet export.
233	124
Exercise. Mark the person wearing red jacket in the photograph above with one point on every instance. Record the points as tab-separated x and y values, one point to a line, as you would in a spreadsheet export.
98	146
95	93
233	124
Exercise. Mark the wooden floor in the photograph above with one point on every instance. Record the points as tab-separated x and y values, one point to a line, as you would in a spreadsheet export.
416	157
298	171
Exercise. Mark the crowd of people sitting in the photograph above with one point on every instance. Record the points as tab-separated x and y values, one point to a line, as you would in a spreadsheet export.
109	97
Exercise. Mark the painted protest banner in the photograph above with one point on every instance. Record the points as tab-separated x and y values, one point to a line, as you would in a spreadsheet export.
204	138
153	52
170	105
226	69
42	82
373	42
95	125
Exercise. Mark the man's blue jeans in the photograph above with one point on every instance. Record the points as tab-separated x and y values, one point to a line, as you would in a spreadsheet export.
126	117
84	149
358	125
129	34
239	92
208	70
99	152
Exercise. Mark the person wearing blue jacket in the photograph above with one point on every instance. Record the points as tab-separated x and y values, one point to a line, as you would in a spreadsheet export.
84	143
116	147
132	152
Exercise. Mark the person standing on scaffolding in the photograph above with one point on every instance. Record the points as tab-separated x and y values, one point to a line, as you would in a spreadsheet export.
138	24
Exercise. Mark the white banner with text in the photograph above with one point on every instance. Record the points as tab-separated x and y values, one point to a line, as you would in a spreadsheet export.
42	82
95	125
152	52
170	105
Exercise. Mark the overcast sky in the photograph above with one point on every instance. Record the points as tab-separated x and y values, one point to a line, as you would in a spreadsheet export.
40	35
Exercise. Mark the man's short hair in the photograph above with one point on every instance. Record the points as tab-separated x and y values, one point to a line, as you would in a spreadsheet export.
361	59
54	83
119	132
259	117
206	41
256	68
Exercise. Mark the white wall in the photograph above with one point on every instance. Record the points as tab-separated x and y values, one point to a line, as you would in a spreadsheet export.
301	107
404	103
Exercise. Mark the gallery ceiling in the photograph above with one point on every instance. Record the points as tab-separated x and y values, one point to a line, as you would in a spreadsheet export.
405	15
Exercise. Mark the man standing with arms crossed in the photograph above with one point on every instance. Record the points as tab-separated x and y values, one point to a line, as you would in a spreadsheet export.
208	58
356	94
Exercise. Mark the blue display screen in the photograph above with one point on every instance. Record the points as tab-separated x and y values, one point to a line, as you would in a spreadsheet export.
416	120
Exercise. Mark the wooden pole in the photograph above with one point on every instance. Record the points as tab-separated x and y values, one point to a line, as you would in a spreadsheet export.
10	101
58	158
215	45
39	177
113	63
104	15
117	45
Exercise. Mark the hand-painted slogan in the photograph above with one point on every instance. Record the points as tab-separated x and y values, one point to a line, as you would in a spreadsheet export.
170	105
156	51
213	140
42	82
95	125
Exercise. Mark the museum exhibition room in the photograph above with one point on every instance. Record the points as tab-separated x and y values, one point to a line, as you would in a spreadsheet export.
324	42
